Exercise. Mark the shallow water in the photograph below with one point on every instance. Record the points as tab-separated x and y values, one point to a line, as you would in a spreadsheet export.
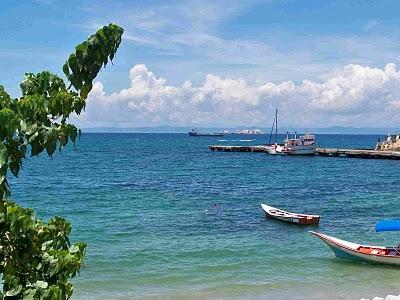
140	201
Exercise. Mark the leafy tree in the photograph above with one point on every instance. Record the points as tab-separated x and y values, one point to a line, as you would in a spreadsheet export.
37	258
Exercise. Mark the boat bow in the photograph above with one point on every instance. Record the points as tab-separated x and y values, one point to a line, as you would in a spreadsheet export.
332	241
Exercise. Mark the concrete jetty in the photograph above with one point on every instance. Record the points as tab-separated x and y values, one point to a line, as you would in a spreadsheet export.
358	153
331	152
260	148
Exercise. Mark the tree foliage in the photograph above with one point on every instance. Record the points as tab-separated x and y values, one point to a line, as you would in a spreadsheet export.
36	258
83	65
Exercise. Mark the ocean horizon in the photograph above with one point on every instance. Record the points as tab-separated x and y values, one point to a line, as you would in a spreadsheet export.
381	131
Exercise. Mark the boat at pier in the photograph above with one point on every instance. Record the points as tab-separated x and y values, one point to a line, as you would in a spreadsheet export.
392	143
194	132
354	251
289	217
305	145
275	148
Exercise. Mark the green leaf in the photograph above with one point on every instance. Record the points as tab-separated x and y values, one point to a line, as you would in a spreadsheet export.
85	90
30	129
41	284
23	126
51	147
66	70
14	167
81	48
14	292
29	294
73	64
74	249
73	133
3	155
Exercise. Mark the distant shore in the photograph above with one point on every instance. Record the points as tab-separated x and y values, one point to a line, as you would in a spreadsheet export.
171	129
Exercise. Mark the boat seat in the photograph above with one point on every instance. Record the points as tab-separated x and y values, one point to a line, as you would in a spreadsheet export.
375	252
364	250
393	252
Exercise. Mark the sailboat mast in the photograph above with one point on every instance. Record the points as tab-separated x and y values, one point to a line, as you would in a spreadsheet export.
276	126
272	130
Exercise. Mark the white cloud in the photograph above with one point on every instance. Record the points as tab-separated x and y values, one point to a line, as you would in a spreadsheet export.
195	37
351	96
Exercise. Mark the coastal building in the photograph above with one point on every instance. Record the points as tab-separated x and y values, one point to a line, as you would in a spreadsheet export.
392	143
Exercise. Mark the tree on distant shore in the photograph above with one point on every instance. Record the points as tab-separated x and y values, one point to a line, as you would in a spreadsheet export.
36	257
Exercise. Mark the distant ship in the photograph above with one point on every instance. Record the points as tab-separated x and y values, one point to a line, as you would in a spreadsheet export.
248	131
194	132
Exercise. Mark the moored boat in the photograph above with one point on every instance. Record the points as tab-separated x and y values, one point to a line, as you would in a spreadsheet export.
305	145
354	251
275	148
286	216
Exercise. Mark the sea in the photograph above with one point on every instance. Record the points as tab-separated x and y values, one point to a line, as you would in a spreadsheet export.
166	218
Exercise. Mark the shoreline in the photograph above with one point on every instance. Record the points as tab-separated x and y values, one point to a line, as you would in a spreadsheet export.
311	293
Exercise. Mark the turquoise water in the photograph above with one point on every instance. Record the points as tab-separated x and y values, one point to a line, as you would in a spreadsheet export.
139	201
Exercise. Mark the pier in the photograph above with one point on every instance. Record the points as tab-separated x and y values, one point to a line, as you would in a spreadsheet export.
260	148
358	153
330	152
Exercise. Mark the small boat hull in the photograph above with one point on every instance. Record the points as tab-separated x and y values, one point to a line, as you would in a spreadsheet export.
348	250
275	150
304	150
289	217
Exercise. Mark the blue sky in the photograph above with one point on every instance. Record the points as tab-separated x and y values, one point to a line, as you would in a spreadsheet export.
235	43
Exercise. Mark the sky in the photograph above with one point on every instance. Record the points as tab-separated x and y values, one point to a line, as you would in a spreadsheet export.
219	63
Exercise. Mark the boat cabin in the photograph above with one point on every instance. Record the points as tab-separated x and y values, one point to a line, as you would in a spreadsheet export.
304	140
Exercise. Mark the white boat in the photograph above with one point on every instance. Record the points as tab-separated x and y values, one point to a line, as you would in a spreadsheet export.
305	145
275	148
353	251
285	216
